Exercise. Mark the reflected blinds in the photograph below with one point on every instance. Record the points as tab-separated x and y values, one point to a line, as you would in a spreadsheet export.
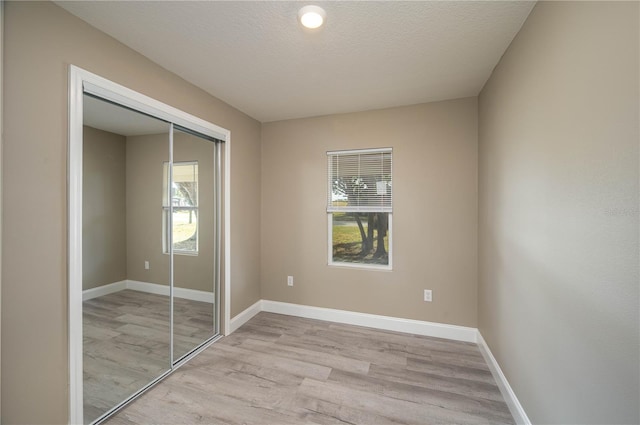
360	180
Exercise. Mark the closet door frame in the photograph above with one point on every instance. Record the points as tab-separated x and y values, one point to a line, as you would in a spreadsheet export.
81	82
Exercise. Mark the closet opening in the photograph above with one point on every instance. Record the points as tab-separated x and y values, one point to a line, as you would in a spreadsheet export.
148	242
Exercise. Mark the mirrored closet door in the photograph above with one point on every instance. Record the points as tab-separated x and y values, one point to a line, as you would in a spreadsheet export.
150	251
194	200
125	277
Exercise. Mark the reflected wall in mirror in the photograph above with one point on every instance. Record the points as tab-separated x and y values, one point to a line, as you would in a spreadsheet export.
125	276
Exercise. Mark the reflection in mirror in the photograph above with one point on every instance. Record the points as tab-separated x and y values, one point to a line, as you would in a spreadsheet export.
126	276
193	199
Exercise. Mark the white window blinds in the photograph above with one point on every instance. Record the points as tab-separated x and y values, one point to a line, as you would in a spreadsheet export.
360	181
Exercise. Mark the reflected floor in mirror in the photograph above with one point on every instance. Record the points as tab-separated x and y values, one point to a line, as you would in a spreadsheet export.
126	343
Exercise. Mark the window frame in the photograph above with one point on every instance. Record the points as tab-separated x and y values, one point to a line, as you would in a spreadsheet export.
166	210
365	266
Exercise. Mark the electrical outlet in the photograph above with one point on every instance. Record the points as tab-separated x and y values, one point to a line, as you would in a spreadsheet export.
146	265
427	295
289	280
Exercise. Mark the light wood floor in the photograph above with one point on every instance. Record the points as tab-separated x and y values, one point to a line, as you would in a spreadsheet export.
126	343
285	370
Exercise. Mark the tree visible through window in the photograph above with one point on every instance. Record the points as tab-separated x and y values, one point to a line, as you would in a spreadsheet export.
184	200
359	206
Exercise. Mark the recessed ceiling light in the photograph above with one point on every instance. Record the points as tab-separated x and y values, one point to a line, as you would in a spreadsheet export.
312	16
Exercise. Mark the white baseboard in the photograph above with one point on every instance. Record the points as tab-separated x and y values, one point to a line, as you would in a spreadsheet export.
245	316
151	288
418	327
194	295
516	409
99	291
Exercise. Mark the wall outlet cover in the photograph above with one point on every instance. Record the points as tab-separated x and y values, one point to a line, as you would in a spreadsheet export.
428	296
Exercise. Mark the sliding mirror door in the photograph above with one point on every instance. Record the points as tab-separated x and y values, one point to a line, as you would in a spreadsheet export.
126	306
195	235
144	242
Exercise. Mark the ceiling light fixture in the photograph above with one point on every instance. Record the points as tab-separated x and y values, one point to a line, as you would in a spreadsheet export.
312	16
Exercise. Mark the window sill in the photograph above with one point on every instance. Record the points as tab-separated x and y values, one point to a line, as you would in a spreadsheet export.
372	267
185	253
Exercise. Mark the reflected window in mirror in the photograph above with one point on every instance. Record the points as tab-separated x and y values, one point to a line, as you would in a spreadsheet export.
184	200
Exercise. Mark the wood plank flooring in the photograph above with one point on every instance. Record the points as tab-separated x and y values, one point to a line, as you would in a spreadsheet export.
286	370
126	343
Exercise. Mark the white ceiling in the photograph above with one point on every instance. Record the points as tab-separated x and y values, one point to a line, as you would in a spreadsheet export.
369	55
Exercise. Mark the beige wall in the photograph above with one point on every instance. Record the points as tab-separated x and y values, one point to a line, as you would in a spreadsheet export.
434	219
145	158
40	41
558	211
104	232
1	154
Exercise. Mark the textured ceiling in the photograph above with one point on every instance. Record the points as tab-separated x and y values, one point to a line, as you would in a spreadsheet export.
369	55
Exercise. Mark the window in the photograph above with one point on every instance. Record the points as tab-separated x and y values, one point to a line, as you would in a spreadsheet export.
359	207
184	200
